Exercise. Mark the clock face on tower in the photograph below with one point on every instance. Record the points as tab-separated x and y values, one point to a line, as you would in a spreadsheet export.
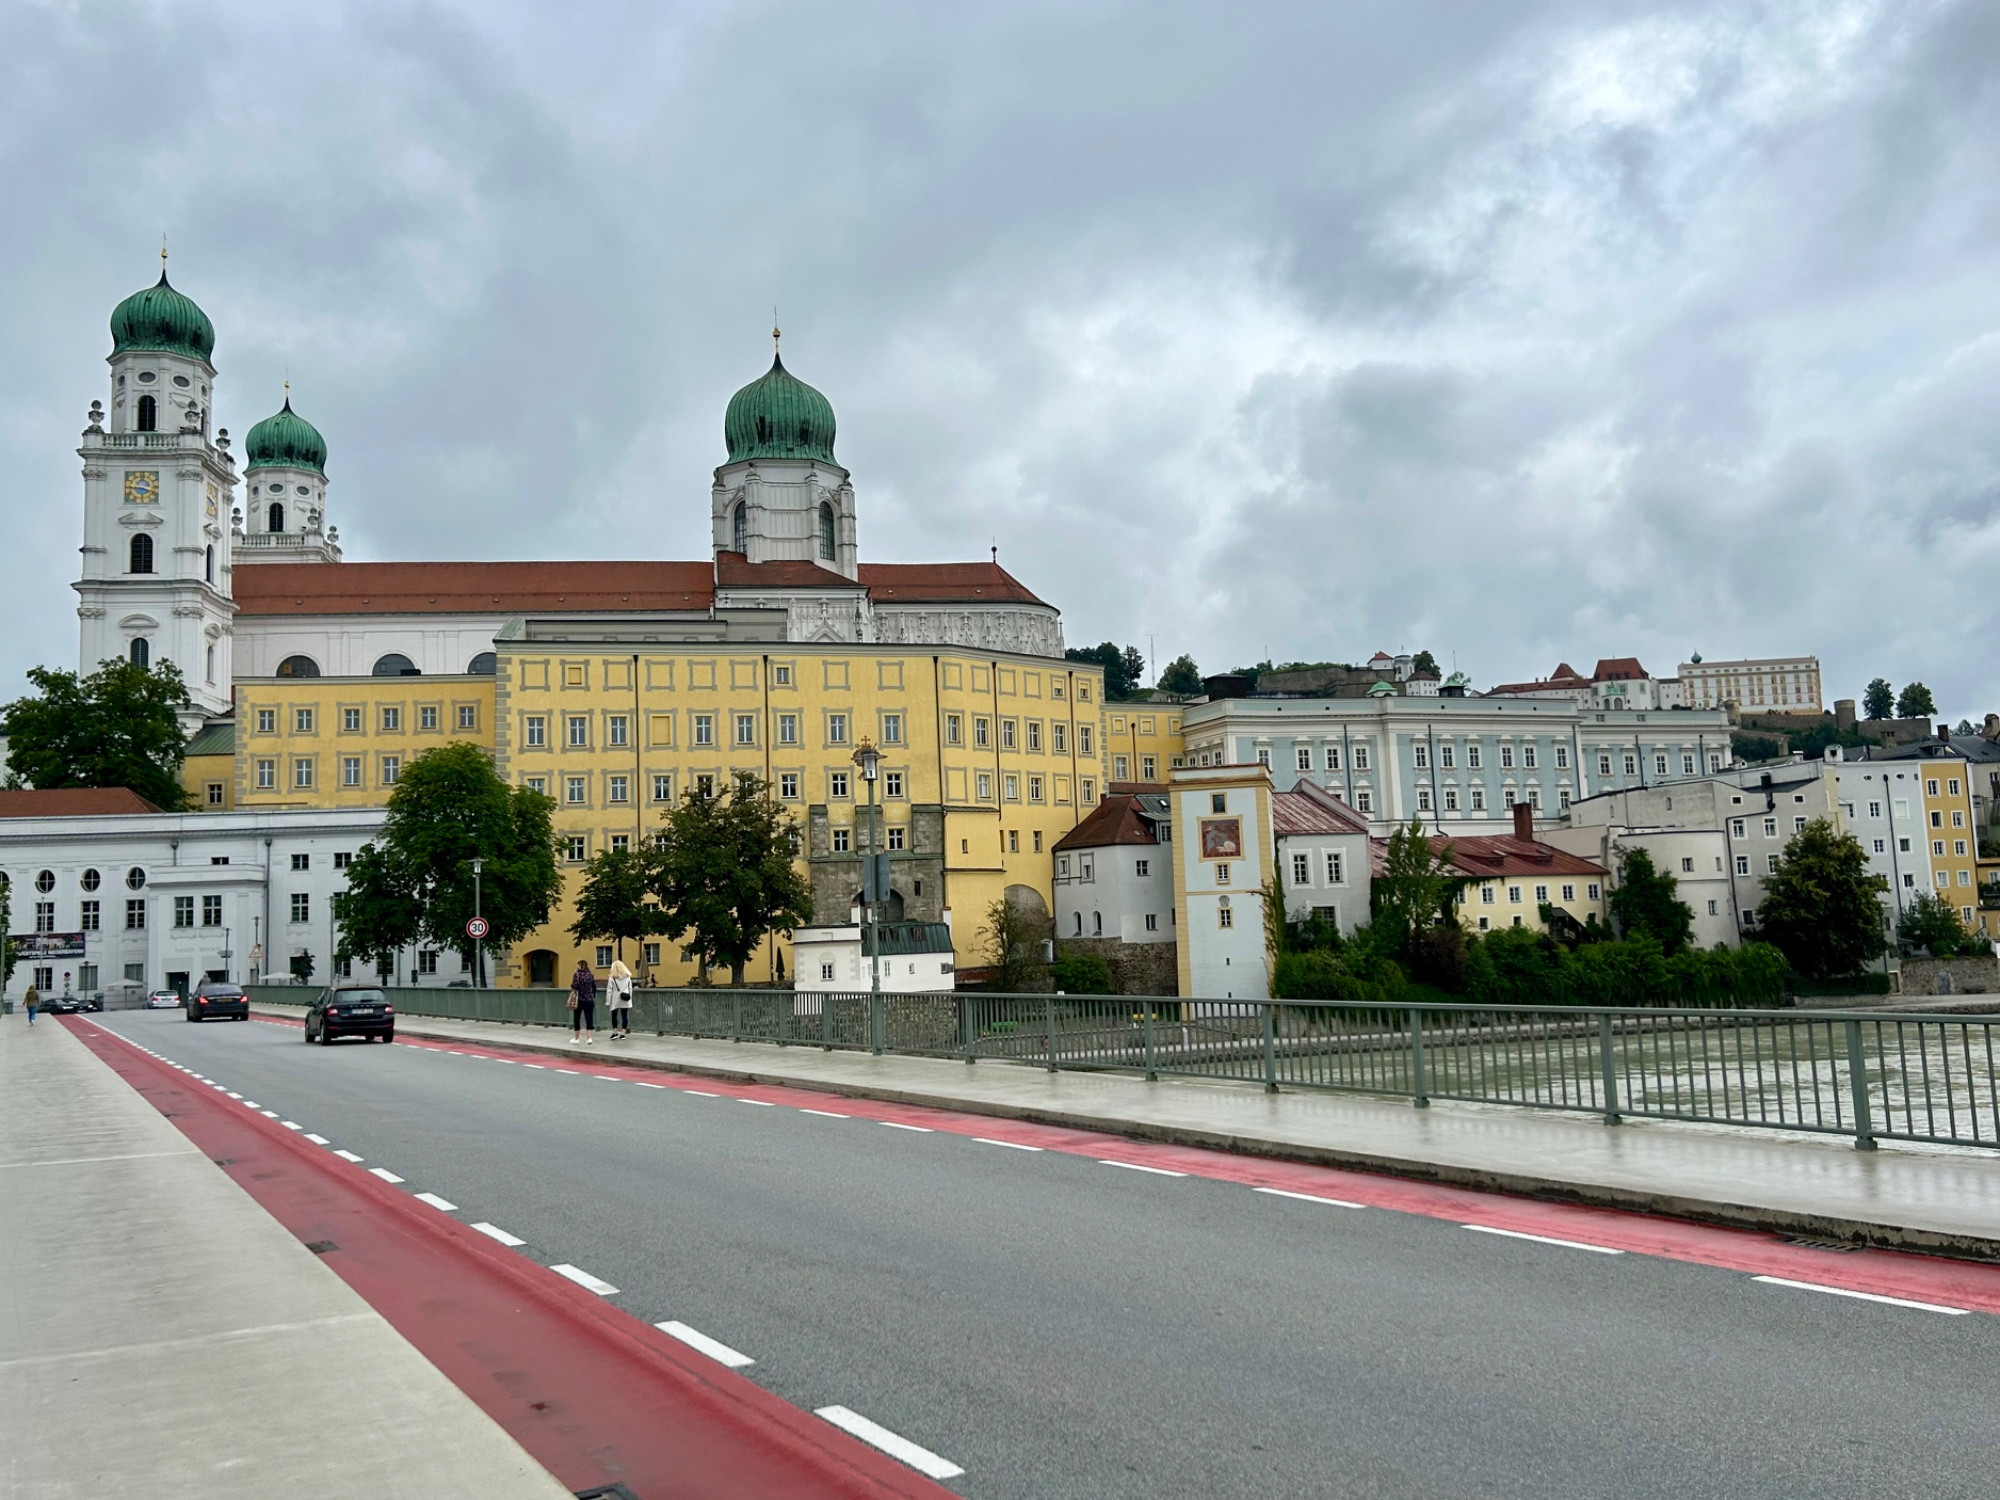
142	487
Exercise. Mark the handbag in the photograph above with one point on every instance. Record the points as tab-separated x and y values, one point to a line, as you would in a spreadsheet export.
572	997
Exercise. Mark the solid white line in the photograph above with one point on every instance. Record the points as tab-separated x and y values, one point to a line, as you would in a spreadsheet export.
921	1459
715	1349
1841	1291
1542	1239
703	1092
1309	1198
384	1173
987	1140
824	1114
648	1085
318	1140
765	1102
1133	1166
291	1124
494	1231
436	1202
347	1156
585	1280
899	1125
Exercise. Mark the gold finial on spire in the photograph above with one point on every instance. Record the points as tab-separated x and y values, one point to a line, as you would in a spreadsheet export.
288	386
774	330
163	252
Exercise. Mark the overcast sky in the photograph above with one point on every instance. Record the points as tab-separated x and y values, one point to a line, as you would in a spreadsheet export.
1516	331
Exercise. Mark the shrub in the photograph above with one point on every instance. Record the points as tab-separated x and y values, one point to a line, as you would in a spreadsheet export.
1354	975
1081	974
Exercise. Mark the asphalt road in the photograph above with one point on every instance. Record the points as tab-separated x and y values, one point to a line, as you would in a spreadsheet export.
1061	1328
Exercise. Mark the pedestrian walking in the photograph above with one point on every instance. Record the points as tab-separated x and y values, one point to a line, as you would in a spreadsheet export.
583	1004
32	1000
621	1000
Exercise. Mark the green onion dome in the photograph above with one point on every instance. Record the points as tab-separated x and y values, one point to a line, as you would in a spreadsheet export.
778	415
160	318
286	440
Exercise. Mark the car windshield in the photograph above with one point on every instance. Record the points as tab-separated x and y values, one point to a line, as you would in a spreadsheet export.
358	997
222	992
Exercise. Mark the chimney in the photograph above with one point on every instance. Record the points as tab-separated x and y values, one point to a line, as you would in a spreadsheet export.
1524	822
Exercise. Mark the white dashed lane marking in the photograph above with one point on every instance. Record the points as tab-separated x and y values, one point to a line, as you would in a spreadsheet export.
438	1203
715	1349
495	1232
901	1448
585	1280
1133	1166
1309	1198
1841	1291
826	1114
1542	1239
384	1173
318	1140
899	1125
987	1140
347	1156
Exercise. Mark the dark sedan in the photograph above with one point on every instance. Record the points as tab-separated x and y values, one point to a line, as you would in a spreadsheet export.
351	1010
214	1001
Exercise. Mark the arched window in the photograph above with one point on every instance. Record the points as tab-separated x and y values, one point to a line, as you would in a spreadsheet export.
826	531
1079	923
485	664
739	528
142	652
211	665
142	554
1097	924
208	562
298	666
275	520
395	664
149	414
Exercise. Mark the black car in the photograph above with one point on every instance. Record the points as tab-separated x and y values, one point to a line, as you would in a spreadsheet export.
351	1010
62	1005
212	1001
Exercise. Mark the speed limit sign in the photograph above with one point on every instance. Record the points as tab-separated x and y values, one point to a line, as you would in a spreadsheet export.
478	927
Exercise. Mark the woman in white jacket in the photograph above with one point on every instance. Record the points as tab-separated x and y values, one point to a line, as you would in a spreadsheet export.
620	988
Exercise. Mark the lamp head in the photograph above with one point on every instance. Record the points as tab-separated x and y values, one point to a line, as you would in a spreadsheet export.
867	757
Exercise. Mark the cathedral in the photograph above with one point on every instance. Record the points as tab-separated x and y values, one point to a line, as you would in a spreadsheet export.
232	568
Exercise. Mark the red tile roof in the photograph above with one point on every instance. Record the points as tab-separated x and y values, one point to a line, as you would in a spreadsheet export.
513	588
73	802
502	588
1115	820
1307	808
1487	856
1618	669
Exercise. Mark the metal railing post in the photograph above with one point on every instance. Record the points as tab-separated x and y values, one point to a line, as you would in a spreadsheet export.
826	1021
1611	1116
735	1018
1857	1082
1419	1090
968	1029
1270	1049
1049	1016
875	1022
1152	1071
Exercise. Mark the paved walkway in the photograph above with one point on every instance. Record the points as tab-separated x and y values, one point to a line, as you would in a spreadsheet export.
160	1334
1917	1198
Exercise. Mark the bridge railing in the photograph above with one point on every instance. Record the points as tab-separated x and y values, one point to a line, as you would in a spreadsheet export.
1867	1075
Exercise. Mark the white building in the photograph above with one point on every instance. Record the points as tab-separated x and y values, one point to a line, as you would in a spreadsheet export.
1113	872
1771	684
121	898
1699	859
1221	856
916	959
1323	856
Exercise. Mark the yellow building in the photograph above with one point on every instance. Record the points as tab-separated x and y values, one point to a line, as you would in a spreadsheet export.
1142	741
1510	880
208	769
1954	840
343	741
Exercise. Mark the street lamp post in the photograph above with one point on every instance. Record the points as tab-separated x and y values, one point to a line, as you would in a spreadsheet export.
225	955
868	758
478	944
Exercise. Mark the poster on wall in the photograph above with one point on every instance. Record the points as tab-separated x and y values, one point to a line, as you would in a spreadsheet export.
1221	838
39	945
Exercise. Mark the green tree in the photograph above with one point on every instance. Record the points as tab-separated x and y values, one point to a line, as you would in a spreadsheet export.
415	884
1915	702
726	873
1930	923
1181	676
1879	700
1081	974
302	967
1133	670
116	727
1414	890
1645	902
614	900
1013	940
1124	667
1423	661
1821	906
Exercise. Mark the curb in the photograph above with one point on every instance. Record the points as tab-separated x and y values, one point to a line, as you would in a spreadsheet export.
1859	1232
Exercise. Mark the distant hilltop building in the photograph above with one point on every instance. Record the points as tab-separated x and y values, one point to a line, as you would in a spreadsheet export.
1771	684
1617	682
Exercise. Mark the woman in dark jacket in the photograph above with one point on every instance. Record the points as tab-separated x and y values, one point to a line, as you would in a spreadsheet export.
583	1004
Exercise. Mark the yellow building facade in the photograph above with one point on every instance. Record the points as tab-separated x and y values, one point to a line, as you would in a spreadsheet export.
1953	836
1142	741
343	741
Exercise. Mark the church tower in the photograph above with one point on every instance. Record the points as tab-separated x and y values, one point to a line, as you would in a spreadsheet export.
157	492
781	495
287	501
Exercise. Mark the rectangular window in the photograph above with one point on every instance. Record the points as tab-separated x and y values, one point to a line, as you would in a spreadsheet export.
1037	791
1569	893
1059	738
1152	921
1303	758
618	789
350	720
1333	758
618	730
535	731
892	784
302	773
1301	870
267	721
836	784
1631	765
1528	757
1541	894
574	848
213	791
1771	863
982	732
1149	768
350	770
1364	801
1423	755
1954	786
746	729
704	729
1958	849
895	836
45	917
573	788
1360	757
1487	895
1086	790
392	769
1514	895
1143	868
1937	848
301	906
302	721
1010	787
836	729
1770	828
1659	765
1937	818
1035	736
983	786
1562	757
427	961
621	843
1423	799
651	953
781	675
468	716
1930	788
892	729
1798	825
1957	818
92	916
392	720
1083	739
1594	890
135	915
1451	799
788	785
704	786
579	731
1334	872
840	841
302	861
342	860
788	729
1222	874
183	911
663	786
1881	846
954	730
1506	757
427	716
1742	864
267	775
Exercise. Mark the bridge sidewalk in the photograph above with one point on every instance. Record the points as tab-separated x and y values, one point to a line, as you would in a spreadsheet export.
160	1334
1929	1198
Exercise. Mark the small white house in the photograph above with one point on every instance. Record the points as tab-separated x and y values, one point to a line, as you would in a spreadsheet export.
916	958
